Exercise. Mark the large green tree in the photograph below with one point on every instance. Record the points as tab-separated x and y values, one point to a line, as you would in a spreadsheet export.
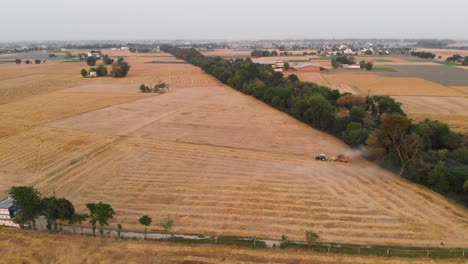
28	201
437	178
395	136
100	214
57	209
91	60
167	224
146	221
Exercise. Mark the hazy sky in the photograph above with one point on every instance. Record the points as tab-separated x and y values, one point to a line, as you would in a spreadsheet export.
233	19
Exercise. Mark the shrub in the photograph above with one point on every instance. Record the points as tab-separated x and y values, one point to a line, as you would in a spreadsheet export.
145	89
101	70
84	73
120	69
91	61
350	100
37	61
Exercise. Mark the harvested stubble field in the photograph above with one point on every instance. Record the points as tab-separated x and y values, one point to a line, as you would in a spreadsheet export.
23	247
434	105
24	114
218	161
221	162
382	85
451	110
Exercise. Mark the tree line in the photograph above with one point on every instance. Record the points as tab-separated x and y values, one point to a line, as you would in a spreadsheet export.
428	153
423	54
338	61
31	205
263	53
36	61
120	68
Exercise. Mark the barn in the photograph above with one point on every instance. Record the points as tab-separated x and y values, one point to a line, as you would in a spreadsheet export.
7	212
308	67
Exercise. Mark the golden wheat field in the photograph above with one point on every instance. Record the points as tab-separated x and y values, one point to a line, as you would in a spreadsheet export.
32	248
216	160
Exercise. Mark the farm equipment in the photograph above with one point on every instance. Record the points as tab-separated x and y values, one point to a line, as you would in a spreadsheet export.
339	158
321	157
342	158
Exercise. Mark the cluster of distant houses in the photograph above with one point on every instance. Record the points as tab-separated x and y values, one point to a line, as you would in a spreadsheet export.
344	50
308	67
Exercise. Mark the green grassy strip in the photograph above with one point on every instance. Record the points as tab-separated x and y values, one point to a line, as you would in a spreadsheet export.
378	250
321	58
382	60
448	63
72	61
226	241
383	69
168	62
298	60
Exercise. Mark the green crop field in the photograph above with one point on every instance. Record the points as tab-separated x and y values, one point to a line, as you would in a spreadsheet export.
448	63
382	60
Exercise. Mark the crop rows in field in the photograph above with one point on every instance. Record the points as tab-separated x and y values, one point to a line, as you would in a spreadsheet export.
23	114
41	151
215	190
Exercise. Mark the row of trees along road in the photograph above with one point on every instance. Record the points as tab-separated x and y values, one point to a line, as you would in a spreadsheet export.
31	205
166	223
427	153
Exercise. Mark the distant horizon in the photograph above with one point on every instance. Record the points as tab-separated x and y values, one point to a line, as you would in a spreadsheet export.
55	20
226	40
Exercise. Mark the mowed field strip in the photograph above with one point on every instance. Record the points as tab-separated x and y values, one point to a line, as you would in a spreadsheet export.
216	160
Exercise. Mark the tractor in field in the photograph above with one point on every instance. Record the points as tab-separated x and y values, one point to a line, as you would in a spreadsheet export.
321	157
339	158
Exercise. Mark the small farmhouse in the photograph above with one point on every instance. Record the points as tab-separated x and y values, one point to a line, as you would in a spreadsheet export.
308	67
7	212
279	66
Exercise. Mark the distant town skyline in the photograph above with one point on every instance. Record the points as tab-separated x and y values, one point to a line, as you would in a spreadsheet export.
31	20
